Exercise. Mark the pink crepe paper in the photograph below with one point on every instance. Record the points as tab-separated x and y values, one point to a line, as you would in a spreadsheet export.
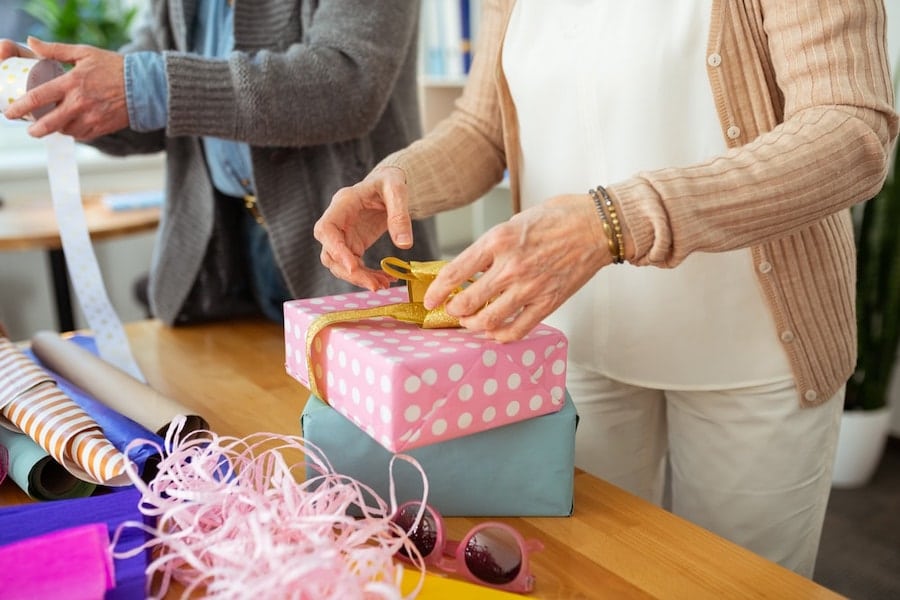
67	564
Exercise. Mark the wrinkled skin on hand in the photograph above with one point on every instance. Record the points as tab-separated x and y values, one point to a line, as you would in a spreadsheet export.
524	268
528	266
90	98
9	48
357	216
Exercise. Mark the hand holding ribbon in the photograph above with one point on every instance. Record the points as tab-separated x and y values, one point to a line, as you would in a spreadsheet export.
86	102
24	76
418	276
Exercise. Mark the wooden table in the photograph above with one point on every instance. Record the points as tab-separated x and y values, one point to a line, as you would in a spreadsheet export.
614	546
32	226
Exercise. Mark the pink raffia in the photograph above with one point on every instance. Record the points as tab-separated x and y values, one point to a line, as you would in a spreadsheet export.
232	521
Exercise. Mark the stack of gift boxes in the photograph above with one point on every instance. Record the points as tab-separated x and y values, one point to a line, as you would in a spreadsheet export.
491	424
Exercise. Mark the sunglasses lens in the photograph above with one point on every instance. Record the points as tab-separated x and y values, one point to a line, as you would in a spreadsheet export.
493	556
424	536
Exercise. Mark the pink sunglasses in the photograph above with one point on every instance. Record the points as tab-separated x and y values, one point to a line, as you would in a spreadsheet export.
492	554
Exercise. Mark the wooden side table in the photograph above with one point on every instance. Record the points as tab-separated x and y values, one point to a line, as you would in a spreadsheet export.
32	226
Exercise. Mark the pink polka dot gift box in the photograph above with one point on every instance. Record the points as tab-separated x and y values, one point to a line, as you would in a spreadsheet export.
409	387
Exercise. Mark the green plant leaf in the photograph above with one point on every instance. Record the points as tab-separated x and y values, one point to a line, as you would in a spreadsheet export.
101	23
878	294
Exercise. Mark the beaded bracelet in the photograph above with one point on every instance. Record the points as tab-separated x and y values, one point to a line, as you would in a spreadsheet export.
617	228
607	229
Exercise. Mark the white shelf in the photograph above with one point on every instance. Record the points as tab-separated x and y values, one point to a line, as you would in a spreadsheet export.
430	81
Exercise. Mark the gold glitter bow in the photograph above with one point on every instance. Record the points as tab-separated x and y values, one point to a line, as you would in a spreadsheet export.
418	276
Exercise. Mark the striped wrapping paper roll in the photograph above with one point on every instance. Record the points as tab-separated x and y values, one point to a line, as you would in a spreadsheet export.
31	402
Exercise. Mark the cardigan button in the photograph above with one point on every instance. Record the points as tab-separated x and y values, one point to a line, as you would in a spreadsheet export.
765	266
714	59
810	395
787	337
733	132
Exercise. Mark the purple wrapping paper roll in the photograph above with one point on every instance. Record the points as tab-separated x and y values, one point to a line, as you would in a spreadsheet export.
118	429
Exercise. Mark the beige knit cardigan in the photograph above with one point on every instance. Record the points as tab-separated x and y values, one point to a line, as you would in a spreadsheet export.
803	93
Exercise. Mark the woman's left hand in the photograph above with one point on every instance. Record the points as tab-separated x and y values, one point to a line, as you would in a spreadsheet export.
528	267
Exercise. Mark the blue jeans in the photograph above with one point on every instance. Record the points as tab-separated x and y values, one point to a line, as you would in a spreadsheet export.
267	283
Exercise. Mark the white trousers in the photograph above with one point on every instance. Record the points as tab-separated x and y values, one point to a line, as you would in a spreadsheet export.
748	464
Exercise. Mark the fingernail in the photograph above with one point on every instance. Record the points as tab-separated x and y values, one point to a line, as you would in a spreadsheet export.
403	240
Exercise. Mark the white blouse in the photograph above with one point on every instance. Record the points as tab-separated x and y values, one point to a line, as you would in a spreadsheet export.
605	89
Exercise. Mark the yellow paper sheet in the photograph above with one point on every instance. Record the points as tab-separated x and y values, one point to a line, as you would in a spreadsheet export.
439	587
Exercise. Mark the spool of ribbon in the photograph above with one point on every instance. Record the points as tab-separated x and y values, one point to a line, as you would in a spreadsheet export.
17	77
418	276
31	402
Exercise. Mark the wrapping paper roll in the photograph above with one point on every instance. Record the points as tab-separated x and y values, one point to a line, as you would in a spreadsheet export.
31	402
118	428
37	474
109	385
42	478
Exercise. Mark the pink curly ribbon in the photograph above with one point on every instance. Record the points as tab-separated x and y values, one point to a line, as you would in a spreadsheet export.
235	520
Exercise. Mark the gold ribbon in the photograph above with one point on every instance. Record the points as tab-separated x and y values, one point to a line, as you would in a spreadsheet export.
418	276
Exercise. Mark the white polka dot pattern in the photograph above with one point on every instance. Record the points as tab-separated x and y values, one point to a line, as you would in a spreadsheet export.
421	386
87	280
17	75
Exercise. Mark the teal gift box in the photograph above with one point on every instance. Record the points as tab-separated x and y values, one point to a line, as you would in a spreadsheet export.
521	469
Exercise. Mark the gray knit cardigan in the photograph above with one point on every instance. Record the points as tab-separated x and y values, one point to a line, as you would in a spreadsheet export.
321	90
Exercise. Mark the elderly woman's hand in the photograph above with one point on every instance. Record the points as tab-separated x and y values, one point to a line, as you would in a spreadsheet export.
9	49
357	216
89	99
528	267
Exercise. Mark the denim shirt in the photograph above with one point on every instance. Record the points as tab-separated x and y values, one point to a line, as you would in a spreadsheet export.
146	92
229	163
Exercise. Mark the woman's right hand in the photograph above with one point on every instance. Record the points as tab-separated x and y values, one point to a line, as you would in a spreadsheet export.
357	216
